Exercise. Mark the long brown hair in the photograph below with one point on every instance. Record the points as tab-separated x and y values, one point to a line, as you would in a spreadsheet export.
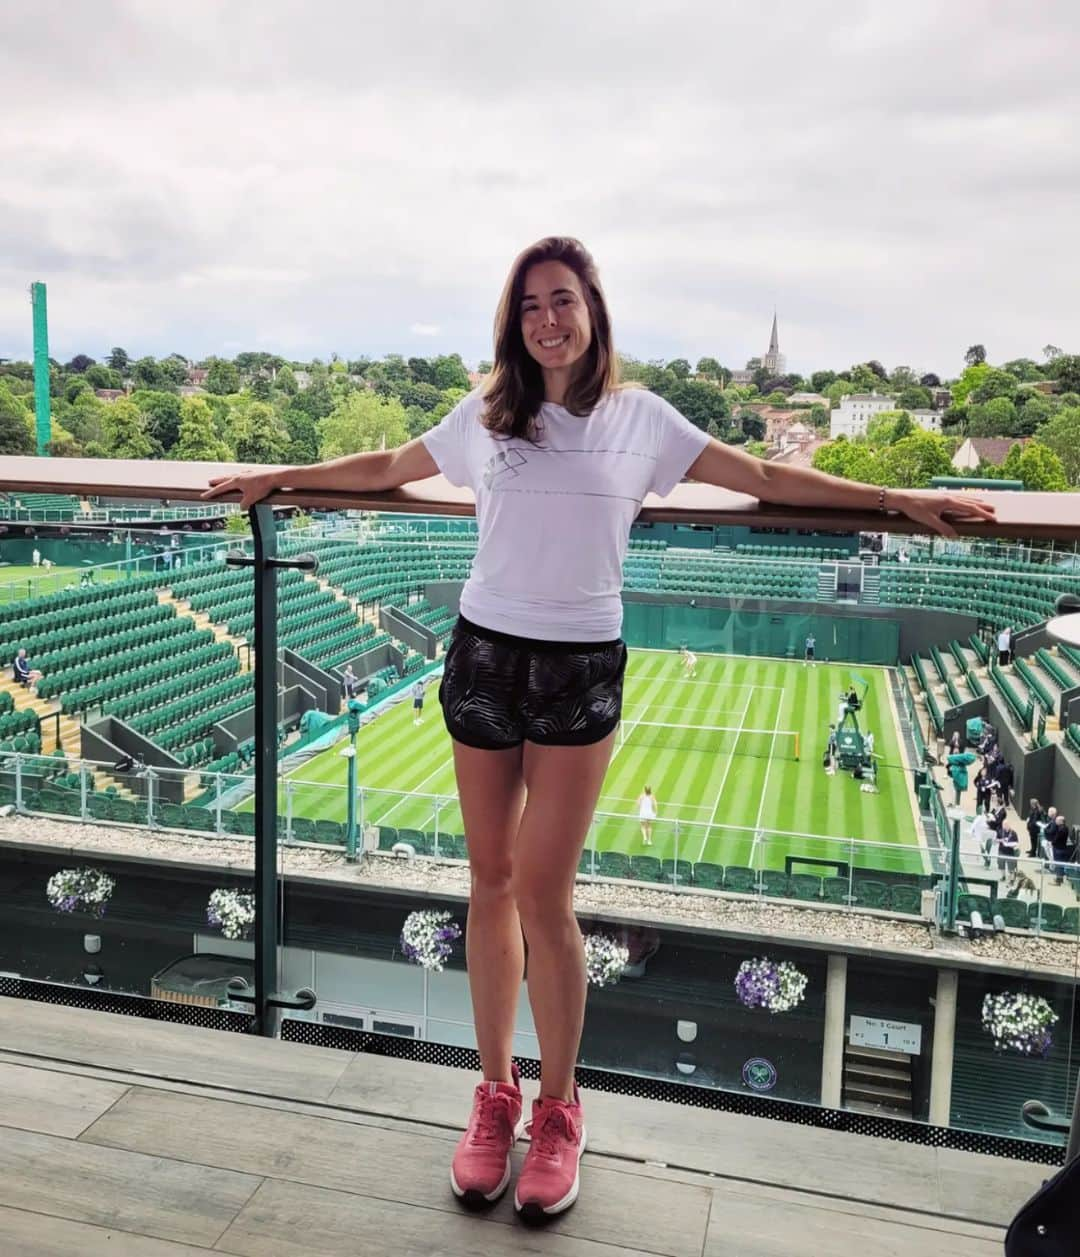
515	388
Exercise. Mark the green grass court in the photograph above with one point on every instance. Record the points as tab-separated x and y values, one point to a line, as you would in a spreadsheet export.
21	580
723	802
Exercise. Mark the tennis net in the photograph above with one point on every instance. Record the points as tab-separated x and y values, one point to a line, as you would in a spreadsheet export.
712	739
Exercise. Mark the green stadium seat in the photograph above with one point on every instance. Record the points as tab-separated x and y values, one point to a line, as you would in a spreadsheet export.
805	886
675	870
98	806
1015	914
906	898
303	829
452	847
329	831
739	879
967	904
387	837
871	894
835	889
127	811
613	864
1047	918
708	876
646	868
775	883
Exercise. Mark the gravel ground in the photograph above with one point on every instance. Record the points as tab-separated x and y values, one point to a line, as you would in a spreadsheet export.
698	909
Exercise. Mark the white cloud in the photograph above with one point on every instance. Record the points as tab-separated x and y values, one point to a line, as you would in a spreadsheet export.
898	180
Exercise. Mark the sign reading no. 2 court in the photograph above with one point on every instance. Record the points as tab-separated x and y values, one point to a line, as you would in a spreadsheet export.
878	1032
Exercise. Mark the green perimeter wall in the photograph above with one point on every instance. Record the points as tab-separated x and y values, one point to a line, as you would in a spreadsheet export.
732	631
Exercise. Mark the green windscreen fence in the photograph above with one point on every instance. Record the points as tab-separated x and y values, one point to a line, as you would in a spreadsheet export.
726	630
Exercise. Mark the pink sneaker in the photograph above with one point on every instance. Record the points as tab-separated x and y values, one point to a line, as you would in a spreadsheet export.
480	1170
548	1183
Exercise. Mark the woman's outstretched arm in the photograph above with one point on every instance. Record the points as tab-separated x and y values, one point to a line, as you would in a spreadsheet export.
731	468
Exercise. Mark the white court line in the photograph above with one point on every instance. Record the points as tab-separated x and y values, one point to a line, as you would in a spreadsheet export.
726	685
765	783
723	779
413	790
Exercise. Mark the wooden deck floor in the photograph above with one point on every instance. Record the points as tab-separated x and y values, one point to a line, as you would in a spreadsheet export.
122	1136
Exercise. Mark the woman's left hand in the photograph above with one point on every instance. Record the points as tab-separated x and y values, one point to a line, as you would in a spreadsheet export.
930	509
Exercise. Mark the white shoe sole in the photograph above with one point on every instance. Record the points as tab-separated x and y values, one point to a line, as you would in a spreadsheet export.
533	1212
472	1196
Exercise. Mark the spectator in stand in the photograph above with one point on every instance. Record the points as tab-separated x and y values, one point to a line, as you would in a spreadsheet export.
958	771
1008	851
22	670
1061	842
983	836
1036	823
350	682
996	821
1004	776
983	788
955	745
1004	645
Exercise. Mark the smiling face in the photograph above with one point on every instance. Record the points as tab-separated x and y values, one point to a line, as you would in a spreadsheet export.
555	323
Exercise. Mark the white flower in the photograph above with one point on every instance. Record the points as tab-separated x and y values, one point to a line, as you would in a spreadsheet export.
1019	1023
427	938
605	959
86	890
233	910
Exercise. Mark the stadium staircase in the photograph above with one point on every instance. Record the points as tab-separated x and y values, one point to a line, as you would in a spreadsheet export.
826	583
871	586
877	1080
202	621
70	737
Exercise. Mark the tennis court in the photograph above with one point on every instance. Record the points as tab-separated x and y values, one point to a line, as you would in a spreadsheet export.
719	751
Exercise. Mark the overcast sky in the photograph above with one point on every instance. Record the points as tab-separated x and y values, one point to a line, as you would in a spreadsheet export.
898	179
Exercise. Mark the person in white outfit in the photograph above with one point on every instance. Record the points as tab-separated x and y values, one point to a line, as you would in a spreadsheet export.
646	804
689	662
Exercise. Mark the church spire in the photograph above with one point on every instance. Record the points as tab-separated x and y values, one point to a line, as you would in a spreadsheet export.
774	339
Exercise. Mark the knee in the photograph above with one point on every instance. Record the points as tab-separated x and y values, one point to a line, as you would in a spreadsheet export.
492	879
543	909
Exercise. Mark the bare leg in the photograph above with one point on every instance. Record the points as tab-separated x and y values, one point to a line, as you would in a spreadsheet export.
564	784
492	793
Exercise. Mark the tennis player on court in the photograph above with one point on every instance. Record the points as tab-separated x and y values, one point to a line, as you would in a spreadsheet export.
689	662
646	805
560	459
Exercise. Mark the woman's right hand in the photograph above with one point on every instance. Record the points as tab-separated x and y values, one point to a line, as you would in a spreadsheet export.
252	486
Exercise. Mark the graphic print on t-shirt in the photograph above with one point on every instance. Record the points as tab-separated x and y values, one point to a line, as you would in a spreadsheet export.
503	463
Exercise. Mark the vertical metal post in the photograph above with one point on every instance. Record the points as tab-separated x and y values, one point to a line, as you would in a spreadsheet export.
953	890
264	537
354	710
266	1001
675	874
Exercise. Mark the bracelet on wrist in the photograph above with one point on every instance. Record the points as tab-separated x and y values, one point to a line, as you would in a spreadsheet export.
881	501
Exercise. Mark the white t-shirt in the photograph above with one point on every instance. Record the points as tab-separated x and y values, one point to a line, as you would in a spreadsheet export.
647	807
554	514
1004	638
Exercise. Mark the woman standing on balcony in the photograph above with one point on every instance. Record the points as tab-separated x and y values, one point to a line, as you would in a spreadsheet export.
560	459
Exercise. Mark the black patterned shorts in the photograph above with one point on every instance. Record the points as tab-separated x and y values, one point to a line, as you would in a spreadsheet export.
499	690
